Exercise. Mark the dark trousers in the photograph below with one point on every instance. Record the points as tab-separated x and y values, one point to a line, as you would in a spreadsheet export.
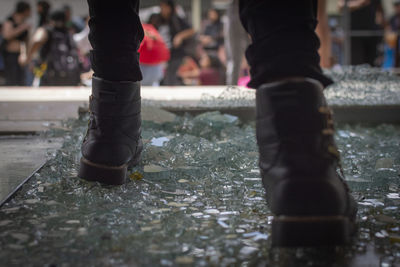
170	77
115	35
13	72
284	43
364	50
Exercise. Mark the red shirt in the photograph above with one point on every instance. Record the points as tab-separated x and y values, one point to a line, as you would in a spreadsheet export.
153	50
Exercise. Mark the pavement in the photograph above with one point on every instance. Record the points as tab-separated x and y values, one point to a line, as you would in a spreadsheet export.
21	157
27	110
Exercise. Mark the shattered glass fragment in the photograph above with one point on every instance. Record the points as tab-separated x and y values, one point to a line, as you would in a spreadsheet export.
201	195
136	176
159	141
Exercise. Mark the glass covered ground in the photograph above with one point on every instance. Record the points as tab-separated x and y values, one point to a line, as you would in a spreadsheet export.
197	200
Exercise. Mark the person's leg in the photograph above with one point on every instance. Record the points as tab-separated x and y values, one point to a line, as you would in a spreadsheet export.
357	51
147	74
310	201
159	70
21	75
324	32
115	35
113	141
11	68
284	42
171	77
371	52
152	74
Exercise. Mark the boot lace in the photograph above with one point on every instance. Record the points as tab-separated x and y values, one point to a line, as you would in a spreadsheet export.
332	149
89	120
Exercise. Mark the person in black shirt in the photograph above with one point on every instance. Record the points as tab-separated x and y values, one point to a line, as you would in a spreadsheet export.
15	34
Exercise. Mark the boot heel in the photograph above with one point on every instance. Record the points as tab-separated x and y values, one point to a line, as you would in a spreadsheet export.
113	175
134	162
288	231
138	156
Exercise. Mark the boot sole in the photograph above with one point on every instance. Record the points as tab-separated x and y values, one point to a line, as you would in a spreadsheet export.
111	175
291	231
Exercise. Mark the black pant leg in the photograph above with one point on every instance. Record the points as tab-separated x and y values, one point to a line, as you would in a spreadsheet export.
11	68
115	35
21	76
284	42
358	51
372	50
171	77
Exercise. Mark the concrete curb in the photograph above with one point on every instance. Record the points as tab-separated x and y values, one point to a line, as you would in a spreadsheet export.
34	107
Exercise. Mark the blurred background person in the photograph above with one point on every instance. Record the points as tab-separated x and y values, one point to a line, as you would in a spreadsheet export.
16	33
188	71
74	24
81	39
176	32
324	34
236	41
365	15
394	21
210	71
155	21
2	81
154	53
68	18
43	12
59	63
212	35
83	45
391	49
337	40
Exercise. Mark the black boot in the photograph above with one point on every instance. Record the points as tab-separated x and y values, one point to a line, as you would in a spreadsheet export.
299	161
113	141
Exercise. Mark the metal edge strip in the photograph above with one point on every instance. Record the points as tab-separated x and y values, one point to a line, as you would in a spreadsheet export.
8	197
